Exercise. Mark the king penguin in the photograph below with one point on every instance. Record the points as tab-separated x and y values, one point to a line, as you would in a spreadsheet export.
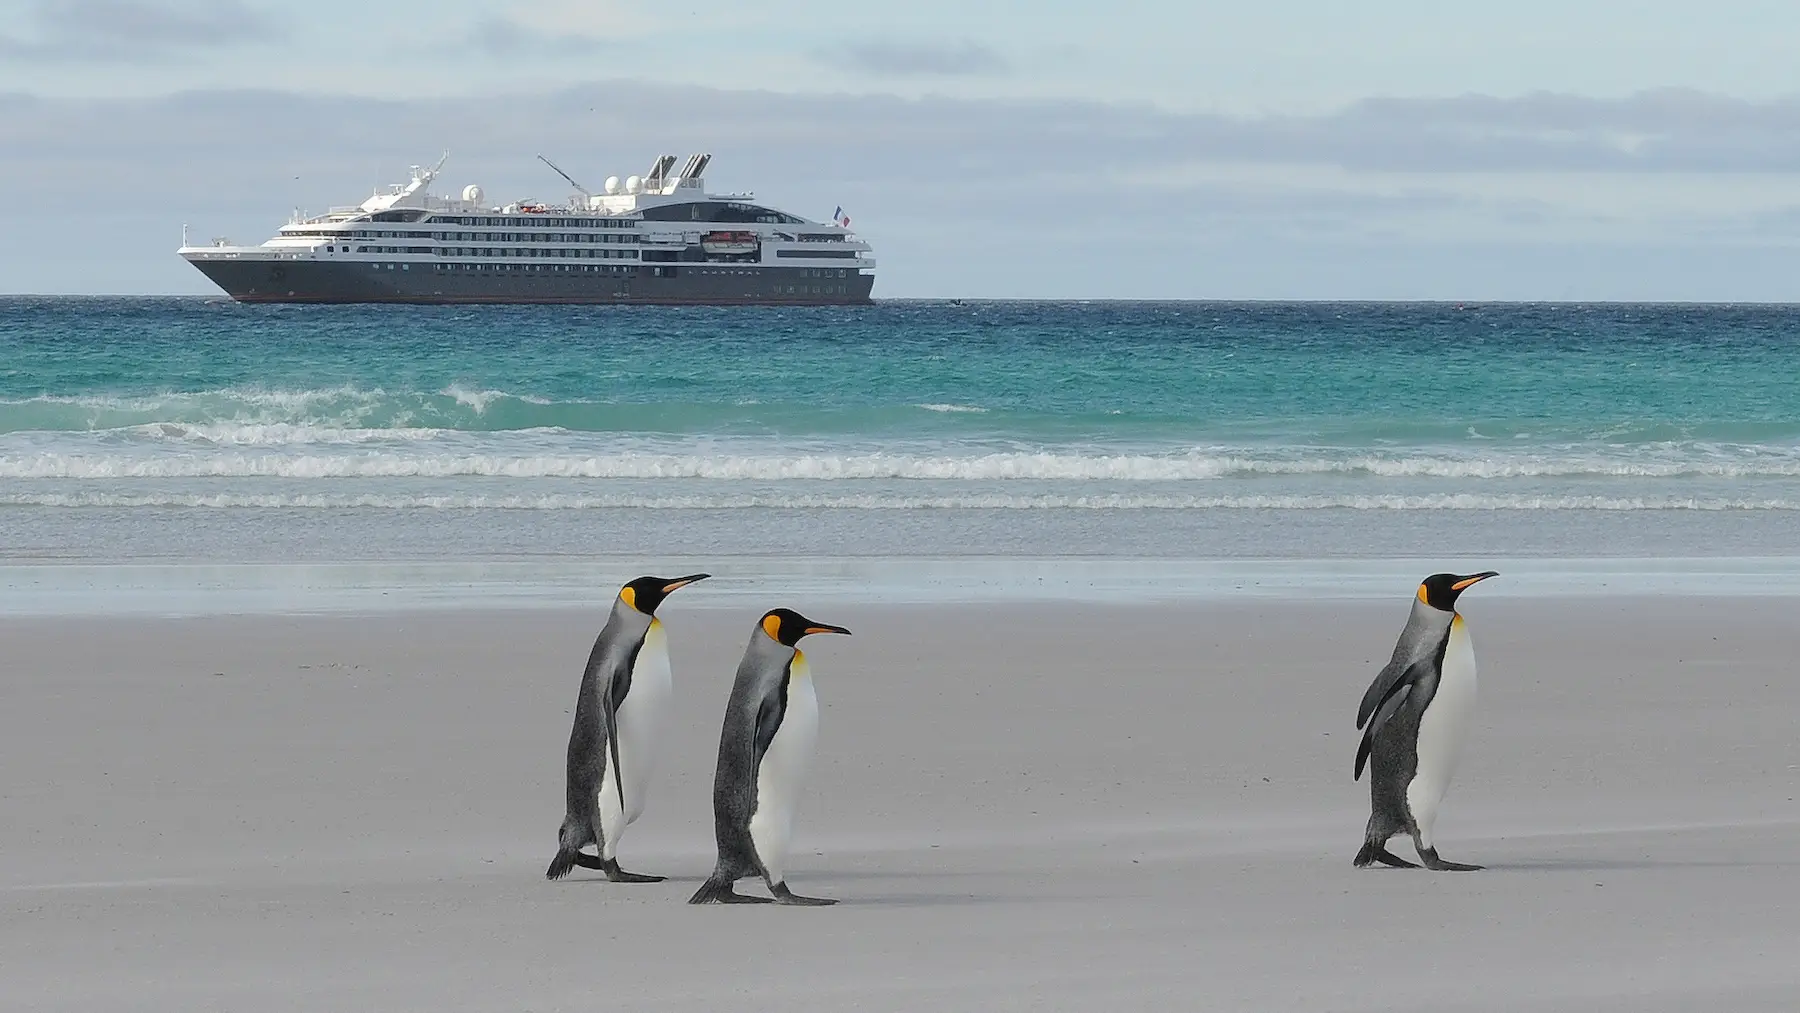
1415	717
624	694
771	725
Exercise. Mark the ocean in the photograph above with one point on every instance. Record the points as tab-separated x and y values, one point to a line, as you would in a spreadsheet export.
202	430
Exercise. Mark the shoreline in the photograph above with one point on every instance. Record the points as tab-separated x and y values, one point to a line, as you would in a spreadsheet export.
157	588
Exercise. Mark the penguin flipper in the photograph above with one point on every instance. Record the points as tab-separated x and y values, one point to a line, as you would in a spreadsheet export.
609	708
1393	676
768	720
1381	718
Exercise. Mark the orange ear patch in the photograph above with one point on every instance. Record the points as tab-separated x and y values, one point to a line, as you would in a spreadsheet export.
772	626
628	595
1422	595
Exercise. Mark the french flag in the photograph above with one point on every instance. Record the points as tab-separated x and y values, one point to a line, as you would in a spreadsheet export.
841	218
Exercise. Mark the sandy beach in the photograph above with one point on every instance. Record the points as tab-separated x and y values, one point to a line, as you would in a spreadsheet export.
1020	806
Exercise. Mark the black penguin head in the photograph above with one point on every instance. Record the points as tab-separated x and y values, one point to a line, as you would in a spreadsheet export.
1440	590
645	593
786	627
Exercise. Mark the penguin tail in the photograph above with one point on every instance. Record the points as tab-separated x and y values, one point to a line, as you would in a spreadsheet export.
563	863
711	892
568	858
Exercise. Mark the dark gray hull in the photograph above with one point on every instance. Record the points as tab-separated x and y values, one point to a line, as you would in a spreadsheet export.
259	280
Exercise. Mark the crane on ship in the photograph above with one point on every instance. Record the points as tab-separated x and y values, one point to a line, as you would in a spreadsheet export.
581	189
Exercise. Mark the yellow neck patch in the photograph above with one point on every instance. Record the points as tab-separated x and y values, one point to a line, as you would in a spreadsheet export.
1423	596
628	595
772	626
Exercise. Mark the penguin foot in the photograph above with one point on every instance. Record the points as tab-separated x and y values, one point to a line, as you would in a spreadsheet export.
785	896
715	892
1372	853
1430	857
610	866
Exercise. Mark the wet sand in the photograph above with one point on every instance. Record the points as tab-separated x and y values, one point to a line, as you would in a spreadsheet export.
1020	807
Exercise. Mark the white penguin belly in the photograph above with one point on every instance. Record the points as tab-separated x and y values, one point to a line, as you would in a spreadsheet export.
1443	729
640	719
782	773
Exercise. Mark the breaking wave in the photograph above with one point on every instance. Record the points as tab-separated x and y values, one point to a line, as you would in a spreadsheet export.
286	452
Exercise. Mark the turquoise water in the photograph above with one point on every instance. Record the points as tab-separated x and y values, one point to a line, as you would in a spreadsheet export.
204	428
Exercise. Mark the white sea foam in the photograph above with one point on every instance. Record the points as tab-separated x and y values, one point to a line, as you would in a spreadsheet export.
219	456
954	408
278	434
321	408
881	501
479	400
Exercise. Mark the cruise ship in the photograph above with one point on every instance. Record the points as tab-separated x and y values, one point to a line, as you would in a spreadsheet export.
659	238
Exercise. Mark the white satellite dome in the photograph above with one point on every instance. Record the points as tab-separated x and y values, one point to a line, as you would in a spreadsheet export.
612	184
634	184
472	194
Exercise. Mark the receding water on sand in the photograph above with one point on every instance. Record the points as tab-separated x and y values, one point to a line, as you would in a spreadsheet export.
174	589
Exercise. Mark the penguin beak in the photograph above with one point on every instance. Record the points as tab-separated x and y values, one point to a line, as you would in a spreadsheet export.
681	582
1468	582
827	629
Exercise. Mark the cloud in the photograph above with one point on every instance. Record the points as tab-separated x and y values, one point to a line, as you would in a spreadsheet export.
75	30
499	37
916	59
603	17
564	28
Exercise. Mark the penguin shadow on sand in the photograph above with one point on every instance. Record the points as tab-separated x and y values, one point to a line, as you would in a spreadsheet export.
765	746
1538	865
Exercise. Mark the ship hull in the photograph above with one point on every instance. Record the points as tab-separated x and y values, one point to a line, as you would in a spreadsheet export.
310	281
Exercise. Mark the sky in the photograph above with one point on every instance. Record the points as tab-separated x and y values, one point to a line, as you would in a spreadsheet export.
1283	149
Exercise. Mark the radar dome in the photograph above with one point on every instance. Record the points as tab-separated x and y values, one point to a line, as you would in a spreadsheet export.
612	184
634	184
472	194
